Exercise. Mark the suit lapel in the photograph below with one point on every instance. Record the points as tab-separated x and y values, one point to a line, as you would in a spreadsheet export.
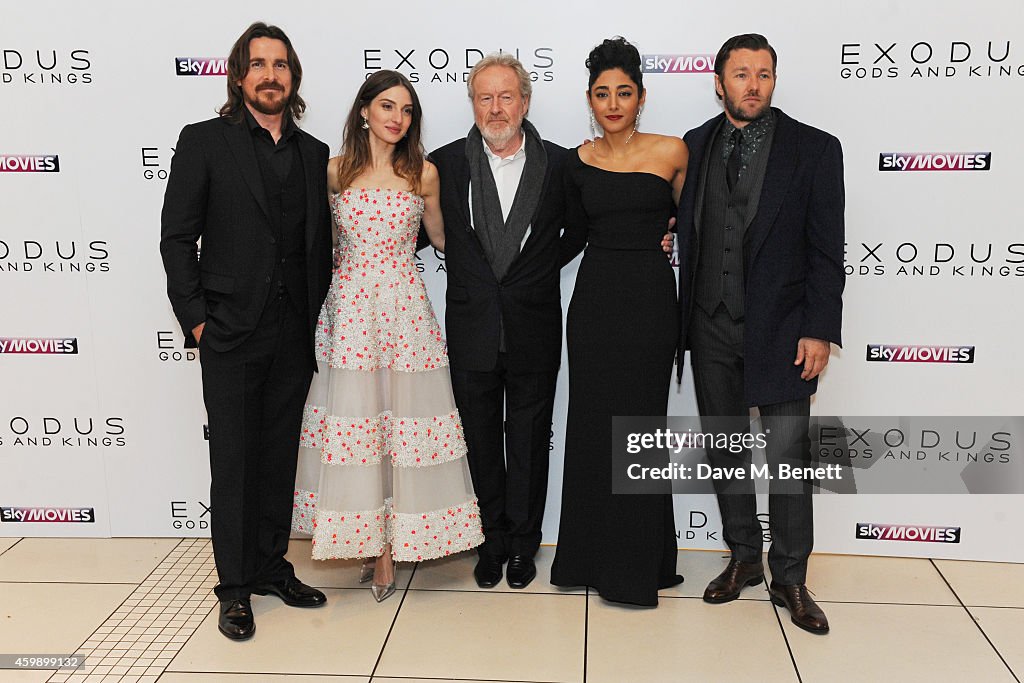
314	192
462	188
709	143
240	143
777	177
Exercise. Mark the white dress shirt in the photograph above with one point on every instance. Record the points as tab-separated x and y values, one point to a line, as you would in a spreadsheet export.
507	172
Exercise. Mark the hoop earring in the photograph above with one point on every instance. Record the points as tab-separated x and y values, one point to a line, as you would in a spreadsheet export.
593	130
636	124
366	124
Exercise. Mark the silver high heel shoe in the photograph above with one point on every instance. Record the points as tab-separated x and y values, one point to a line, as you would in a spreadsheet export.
366	570
382	593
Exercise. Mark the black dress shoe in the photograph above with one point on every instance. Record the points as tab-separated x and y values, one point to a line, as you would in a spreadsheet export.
803	611
236	620
293	592
521	571
737	575
488	571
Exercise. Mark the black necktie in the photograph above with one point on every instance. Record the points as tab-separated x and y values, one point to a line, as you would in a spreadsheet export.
732	165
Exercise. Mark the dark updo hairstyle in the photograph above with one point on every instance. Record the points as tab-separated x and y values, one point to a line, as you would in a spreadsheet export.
615	53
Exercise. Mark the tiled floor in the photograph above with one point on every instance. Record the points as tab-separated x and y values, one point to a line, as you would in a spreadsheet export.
142	610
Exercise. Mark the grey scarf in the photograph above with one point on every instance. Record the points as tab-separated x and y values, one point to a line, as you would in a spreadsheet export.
501	238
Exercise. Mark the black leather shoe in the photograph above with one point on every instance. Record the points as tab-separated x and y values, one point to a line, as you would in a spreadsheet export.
488	571
293	592
521	571
803	611
737	575
236	620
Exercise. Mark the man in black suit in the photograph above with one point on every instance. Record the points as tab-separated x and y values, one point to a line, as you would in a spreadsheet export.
252	185
761	280
501	194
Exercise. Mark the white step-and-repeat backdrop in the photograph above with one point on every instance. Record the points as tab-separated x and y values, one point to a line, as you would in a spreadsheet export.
101	417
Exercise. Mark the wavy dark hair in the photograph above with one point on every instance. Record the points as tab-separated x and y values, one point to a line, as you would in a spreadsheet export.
238	68
615	53
407	157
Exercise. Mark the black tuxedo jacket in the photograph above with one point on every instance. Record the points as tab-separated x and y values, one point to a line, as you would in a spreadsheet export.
215	191
527	299
792	254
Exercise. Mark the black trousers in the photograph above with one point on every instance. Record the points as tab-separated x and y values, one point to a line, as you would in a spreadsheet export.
506	417
716	343
254	398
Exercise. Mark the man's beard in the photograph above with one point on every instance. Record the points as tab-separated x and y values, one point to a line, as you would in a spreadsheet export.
499	138
269	108
737	113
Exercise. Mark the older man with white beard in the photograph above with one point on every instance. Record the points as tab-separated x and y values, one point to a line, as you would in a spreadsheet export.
502	198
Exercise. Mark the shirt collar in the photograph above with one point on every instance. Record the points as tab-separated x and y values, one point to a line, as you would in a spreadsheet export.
755	130
288	126
495	159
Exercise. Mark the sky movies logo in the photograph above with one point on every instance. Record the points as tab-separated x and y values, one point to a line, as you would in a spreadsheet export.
61	515
678	64
935	161
869	531
34	345
29	163
201	66
895	353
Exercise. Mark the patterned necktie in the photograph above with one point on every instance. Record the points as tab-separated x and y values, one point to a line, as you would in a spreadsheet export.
732	165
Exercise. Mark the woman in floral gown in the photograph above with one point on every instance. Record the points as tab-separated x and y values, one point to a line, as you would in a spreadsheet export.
382	470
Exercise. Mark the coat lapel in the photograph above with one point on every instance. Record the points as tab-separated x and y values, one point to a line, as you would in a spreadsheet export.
314	192
777	177
240	144
709	143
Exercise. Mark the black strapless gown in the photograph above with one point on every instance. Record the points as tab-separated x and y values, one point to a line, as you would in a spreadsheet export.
622	330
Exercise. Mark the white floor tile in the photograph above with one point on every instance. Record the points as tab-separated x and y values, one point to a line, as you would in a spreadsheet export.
478	635
41	618
179	677
985	584
686	640
895	643
897	580
9	676
84	560
1004	626
456	573
343	637
378	679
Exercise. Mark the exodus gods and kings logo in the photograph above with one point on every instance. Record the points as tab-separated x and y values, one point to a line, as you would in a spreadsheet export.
43	67
451	64
928	58
956	260
56	256
68	431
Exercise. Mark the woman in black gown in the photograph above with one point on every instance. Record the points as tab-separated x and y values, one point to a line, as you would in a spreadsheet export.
622	329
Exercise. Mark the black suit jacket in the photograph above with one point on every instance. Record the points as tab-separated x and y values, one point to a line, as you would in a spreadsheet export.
215	191
792	255
527	299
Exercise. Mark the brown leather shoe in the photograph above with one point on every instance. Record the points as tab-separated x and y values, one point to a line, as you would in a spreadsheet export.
727	586
804	612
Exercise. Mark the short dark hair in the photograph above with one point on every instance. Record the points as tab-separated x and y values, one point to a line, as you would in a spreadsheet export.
615	53
238	67
745	41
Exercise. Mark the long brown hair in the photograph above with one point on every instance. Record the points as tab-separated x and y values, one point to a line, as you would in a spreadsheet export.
238	67
407	157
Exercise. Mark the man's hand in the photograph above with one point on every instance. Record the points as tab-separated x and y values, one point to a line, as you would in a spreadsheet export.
813	355
668	240
197	331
